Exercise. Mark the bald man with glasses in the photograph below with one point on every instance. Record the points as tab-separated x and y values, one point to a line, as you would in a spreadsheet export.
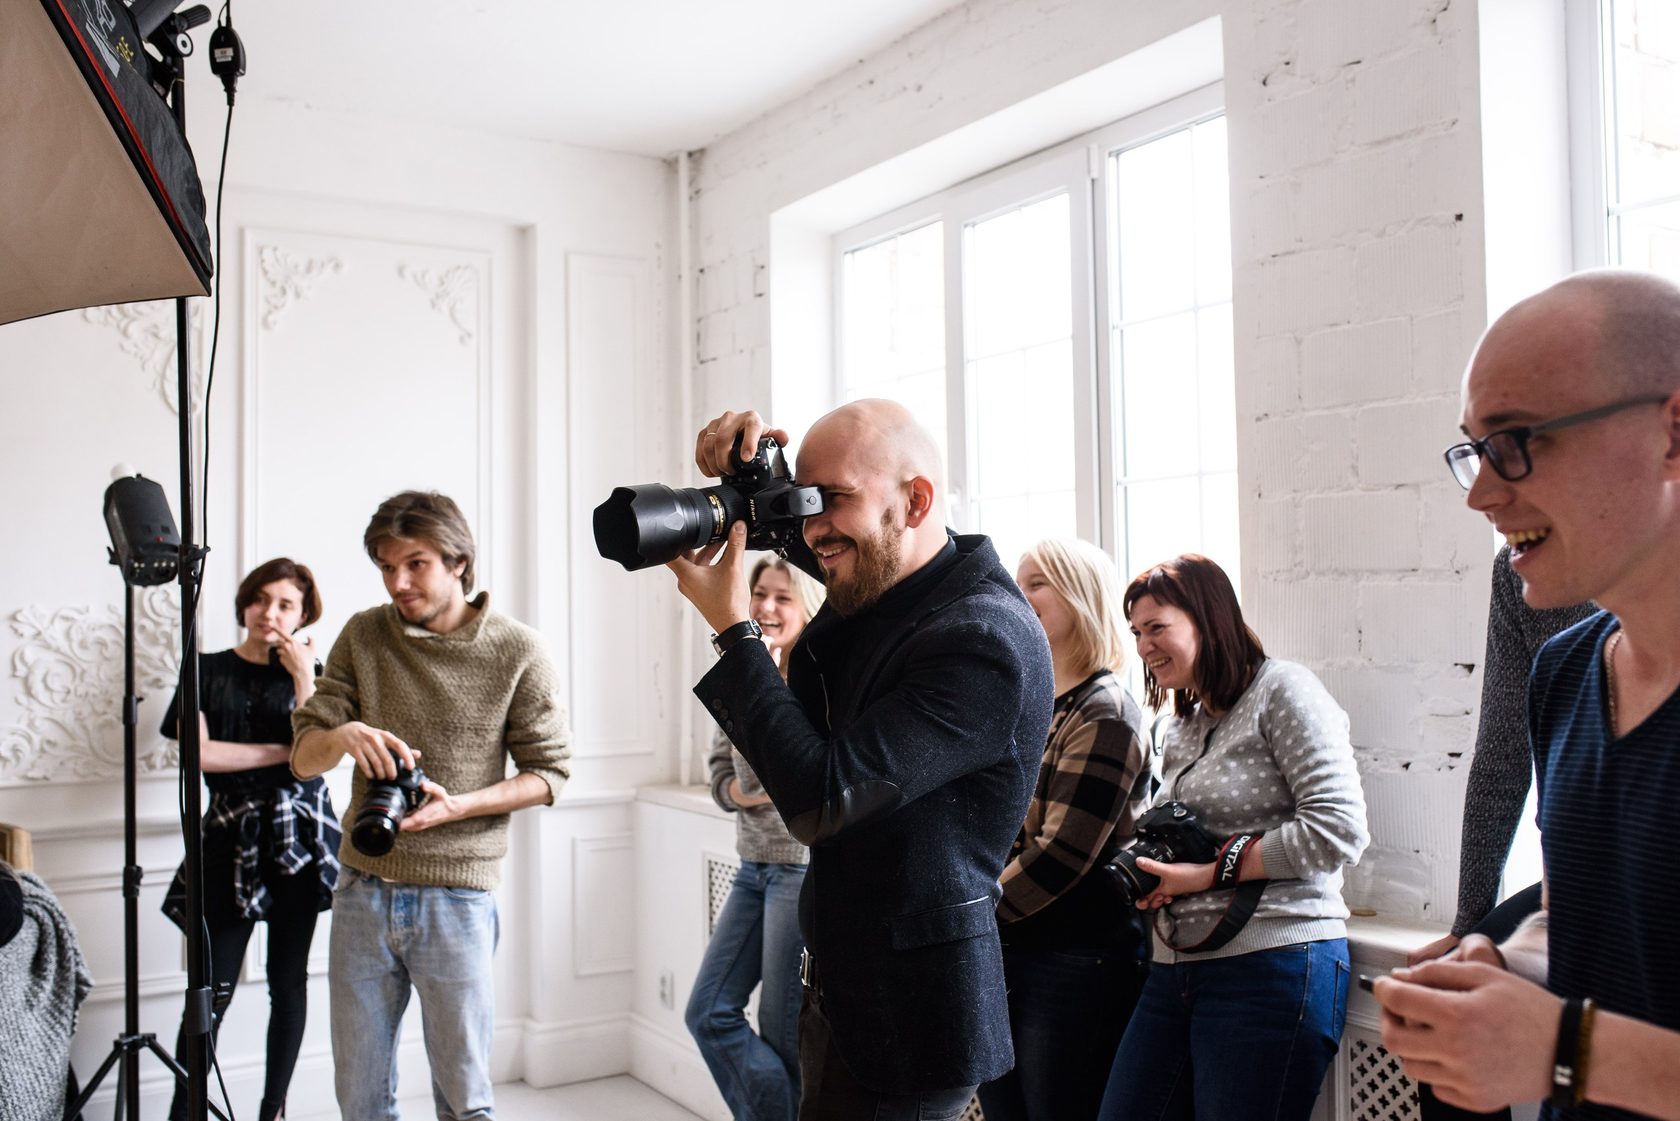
1573	401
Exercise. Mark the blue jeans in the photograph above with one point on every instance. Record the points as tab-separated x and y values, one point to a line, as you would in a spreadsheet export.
1067	1012
1244	1038
387	938
757	941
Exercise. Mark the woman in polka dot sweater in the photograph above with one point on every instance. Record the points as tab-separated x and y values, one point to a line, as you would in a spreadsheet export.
1242	1027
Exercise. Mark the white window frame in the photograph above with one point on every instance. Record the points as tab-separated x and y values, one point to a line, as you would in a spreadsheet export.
1081	168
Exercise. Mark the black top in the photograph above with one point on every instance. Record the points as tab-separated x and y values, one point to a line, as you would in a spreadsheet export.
242	703
11	906
1607	822
903	749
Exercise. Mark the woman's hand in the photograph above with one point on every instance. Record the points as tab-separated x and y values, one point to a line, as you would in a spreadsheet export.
1480	1036
1176	880
297	655
744	800
1439	948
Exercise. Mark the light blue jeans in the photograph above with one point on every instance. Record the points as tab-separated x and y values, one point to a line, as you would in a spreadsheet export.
387	938
757	941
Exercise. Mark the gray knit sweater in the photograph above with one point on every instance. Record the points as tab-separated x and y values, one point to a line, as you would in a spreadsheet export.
1503	764
471	701
43	981
759	833
1279	760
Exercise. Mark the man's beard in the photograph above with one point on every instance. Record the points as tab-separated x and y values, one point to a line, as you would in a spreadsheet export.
875	569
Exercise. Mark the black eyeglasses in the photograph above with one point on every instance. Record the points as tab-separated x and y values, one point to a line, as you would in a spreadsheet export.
1507	449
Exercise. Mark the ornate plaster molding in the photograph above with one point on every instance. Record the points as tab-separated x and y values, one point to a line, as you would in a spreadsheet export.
69	668
286	278
452	291
147	333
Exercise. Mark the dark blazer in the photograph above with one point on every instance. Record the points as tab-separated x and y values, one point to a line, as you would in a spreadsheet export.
908	771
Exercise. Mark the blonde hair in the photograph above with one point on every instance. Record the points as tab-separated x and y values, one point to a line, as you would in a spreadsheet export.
807	593
1085	577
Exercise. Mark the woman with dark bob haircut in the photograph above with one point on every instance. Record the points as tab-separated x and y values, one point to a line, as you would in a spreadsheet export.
1239	1024
270	840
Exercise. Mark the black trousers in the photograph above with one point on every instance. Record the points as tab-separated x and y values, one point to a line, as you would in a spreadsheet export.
829	1092
1497	925
291	928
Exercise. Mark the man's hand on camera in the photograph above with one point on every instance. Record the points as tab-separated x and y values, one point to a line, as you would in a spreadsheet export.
714	446
376	751
440	806
718	589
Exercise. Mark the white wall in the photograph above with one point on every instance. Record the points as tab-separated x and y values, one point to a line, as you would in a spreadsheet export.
402	307
1357	221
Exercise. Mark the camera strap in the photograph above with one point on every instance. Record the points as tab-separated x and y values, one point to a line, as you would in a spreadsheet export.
1243	900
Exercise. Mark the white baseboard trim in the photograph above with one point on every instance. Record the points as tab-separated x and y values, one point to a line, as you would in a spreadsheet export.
674	1068
575	1050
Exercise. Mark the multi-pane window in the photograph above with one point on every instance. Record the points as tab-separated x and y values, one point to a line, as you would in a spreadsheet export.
1638	94
1064	324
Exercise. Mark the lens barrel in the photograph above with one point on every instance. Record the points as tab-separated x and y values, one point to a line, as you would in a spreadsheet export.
650	524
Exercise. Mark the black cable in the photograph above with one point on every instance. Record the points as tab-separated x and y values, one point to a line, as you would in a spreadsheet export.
216	320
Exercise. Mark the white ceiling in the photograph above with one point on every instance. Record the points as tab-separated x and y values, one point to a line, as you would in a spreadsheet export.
648	76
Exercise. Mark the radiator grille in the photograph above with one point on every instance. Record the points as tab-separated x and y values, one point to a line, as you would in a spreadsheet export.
1378	1089
720	876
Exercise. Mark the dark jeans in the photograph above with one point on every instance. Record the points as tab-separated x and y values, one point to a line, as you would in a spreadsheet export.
1242	1038
1498	925
828	1092
1067	1012
291	928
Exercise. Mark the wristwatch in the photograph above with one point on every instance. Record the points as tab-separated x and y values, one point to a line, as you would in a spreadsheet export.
725	641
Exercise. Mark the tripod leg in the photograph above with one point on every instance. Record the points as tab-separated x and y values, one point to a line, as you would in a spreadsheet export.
98	1076
179	1071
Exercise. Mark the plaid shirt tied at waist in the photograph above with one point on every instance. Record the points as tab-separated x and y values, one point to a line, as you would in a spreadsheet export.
284	829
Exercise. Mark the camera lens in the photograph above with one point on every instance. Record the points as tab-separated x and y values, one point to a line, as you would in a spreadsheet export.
374	833
647	525
375	830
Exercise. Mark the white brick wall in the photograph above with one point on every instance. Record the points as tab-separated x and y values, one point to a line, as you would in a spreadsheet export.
1359	290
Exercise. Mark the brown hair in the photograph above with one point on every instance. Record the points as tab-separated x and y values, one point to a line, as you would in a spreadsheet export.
280	568
806	591
424	515
1230	652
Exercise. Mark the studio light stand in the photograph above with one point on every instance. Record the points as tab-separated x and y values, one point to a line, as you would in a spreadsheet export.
136	552
146	550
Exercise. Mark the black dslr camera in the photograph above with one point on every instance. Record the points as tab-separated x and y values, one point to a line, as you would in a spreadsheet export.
388	801
1168	833
647	525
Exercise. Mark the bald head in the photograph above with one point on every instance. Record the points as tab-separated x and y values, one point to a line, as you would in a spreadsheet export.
1623	327
884	436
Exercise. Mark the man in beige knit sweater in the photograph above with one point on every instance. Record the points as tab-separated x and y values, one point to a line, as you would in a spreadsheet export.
435	680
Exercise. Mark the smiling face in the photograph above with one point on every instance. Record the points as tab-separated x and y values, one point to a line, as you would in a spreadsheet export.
1581	523
1167	642
276	611
1054	613
423	587
858	538
777	610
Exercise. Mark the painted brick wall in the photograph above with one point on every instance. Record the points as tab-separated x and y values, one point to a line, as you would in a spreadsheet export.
1359	291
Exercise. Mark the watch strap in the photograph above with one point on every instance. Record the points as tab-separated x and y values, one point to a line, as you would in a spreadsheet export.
730	637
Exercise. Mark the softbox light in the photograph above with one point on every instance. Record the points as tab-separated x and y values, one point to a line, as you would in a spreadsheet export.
100	200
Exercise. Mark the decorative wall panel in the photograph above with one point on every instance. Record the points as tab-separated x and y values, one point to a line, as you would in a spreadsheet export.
68	663
603	909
